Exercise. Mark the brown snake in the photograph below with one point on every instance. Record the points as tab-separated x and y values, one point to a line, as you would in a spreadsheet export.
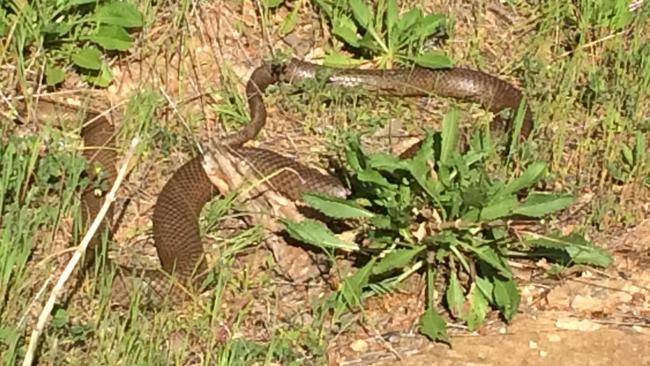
176	213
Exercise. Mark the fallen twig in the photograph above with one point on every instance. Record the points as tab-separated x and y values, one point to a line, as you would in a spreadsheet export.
58	287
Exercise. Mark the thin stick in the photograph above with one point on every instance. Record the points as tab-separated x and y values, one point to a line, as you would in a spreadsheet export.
58	287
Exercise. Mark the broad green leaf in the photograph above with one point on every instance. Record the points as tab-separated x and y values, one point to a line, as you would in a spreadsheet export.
112	38
420	169
316	233
478	307
336	207
354	154
450	134
455	296
54	75
352	286
628	156
56	28
71	3
119	13
540	204
640	153
337	59
272	3
386	162
392	13
398	258
487	288
533	173
289	23
506	296
345	28
362	13
502	208
381	221
104	78
373	176
474	196
88	58
433	60
577	247
409	19
429	24
491	257
433	325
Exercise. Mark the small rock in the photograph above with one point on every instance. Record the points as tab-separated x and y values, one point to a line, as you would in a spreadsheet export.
576	324
543	353
554	338
532	344
359	346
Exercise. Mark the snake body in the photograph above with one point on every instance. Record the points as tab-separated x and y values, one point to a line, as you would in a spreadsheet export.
176	212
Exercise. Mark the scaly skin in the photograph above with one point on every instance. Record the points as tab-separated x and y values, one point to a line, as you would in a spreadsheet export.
177	210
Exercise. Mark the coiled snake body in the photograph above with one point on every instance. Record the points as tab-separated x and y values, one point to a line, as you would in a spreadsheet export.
177	210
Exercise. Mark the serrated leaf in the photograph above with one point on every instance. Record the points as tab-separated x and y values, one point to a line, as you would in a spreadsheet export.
345	28
119	13
54	75
433	325
89	58
386	162
530	176
336	207
450	134
478	307
373	176
506	297
502	208
316	233
433	60
577	247
352	286
455	296
539	204
398	258
362	13
112	38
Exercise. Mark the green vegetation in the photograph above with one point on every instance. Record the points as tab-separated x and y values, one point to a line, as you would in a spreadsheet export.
441	211
457	215
68	33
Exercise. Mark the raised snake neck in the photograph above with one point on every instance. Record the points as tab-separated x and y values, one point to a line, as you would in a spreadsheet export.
176	213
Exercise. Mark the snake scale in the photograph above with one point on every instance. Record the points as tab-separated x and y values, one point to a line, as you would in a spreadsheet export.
179	204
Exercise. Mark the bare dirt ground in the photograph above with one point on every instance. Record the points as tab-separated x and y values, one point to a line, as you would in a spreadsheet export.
593	318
